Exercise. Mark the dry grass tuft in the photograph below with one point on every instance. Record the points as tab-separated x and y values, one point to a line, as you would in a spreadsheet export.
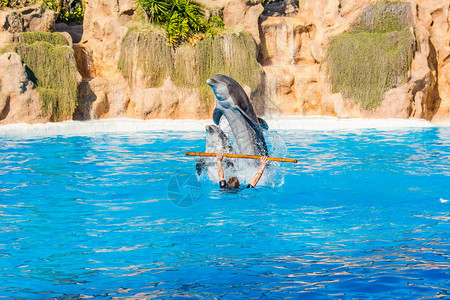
52	67
374	56
145	50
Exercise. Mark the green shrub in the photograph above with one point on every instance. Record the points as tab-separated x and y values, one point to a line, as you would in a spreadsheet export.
372	57
53	70
385	16
69	11
74	14
231	54
265	2
15	3
182	19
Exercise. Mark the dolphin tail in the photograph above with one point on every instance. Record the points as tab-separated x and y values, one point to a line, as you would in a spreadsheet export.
201	164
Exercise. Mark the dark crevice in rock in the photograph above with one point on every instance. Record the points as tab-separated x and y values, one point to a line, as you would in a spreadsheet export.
286	8
85	99
433	64
5	111
75	31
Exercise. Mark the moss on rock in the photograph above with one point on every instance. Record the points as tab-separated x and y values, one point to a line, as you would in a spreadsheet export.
55	38
144	49
385	16
53	70
373	57
232	54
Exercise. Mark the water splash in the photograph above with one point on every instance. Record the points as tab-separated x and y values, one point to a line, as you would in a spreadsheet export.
245	169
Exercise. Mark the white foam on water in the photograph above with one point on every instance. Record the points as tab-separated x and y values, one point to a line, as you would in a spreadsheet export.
245	169
321	123
125	125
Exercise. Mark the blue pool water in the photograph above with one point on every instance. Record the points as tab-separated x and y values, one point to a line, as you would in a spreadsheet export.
364	214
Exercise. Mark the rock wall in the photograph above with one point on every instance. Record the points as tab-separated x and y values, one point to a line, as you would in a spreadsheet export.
19	99
105	93
293	51
292	38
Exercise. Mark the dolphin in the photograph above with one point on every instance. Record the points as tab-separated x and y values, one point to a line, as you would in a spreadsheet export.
218	142
233	103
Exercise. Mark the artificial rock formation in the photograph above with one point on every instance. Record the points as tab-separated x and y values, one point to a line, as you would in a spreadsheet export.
39	78
110	61
33	18
294	49
243	15
292	39
19	99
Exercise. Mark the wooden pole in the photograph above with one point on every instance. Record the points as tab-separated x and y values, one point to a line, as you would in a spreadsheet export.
290	160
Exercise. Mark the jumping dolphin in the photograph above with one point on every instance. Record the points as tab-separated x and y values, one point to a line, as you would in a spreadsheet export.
233	103
217	142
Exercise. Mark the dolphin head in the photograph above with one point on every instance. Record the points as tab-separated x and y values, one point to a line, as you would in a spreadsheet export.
222	86
216	140
213	129
214	137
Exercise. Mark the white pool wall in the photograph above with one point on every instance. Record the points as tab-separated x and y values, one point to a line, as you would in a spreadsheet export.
125	125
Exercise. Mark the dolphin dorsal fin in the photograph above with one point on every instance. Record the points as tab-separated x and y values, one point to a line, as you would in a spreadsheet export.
217	114
263	124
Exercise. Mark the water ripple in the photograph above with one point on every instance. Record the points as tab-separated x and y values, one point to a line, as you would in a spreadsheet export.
360	216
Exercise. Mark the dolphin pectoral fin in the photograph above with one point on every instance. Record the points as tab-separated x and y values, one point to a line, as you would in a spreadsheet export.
217	114
263	124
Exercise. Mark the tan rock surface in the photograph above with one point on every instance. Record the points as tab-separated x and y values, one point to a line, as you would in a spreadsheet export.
292	90
443	112
426	92
434	16
243	14
103	33
292	50
33	18
19	100
167	101
111	98
85	65
281	41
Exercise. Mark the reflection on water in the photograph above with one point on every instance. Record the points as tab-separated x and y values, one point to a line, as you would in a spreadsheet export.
360	216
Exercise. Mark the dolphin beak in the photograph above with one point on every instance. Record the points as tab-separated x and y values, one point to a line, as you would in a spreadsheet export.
208	128
210	82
